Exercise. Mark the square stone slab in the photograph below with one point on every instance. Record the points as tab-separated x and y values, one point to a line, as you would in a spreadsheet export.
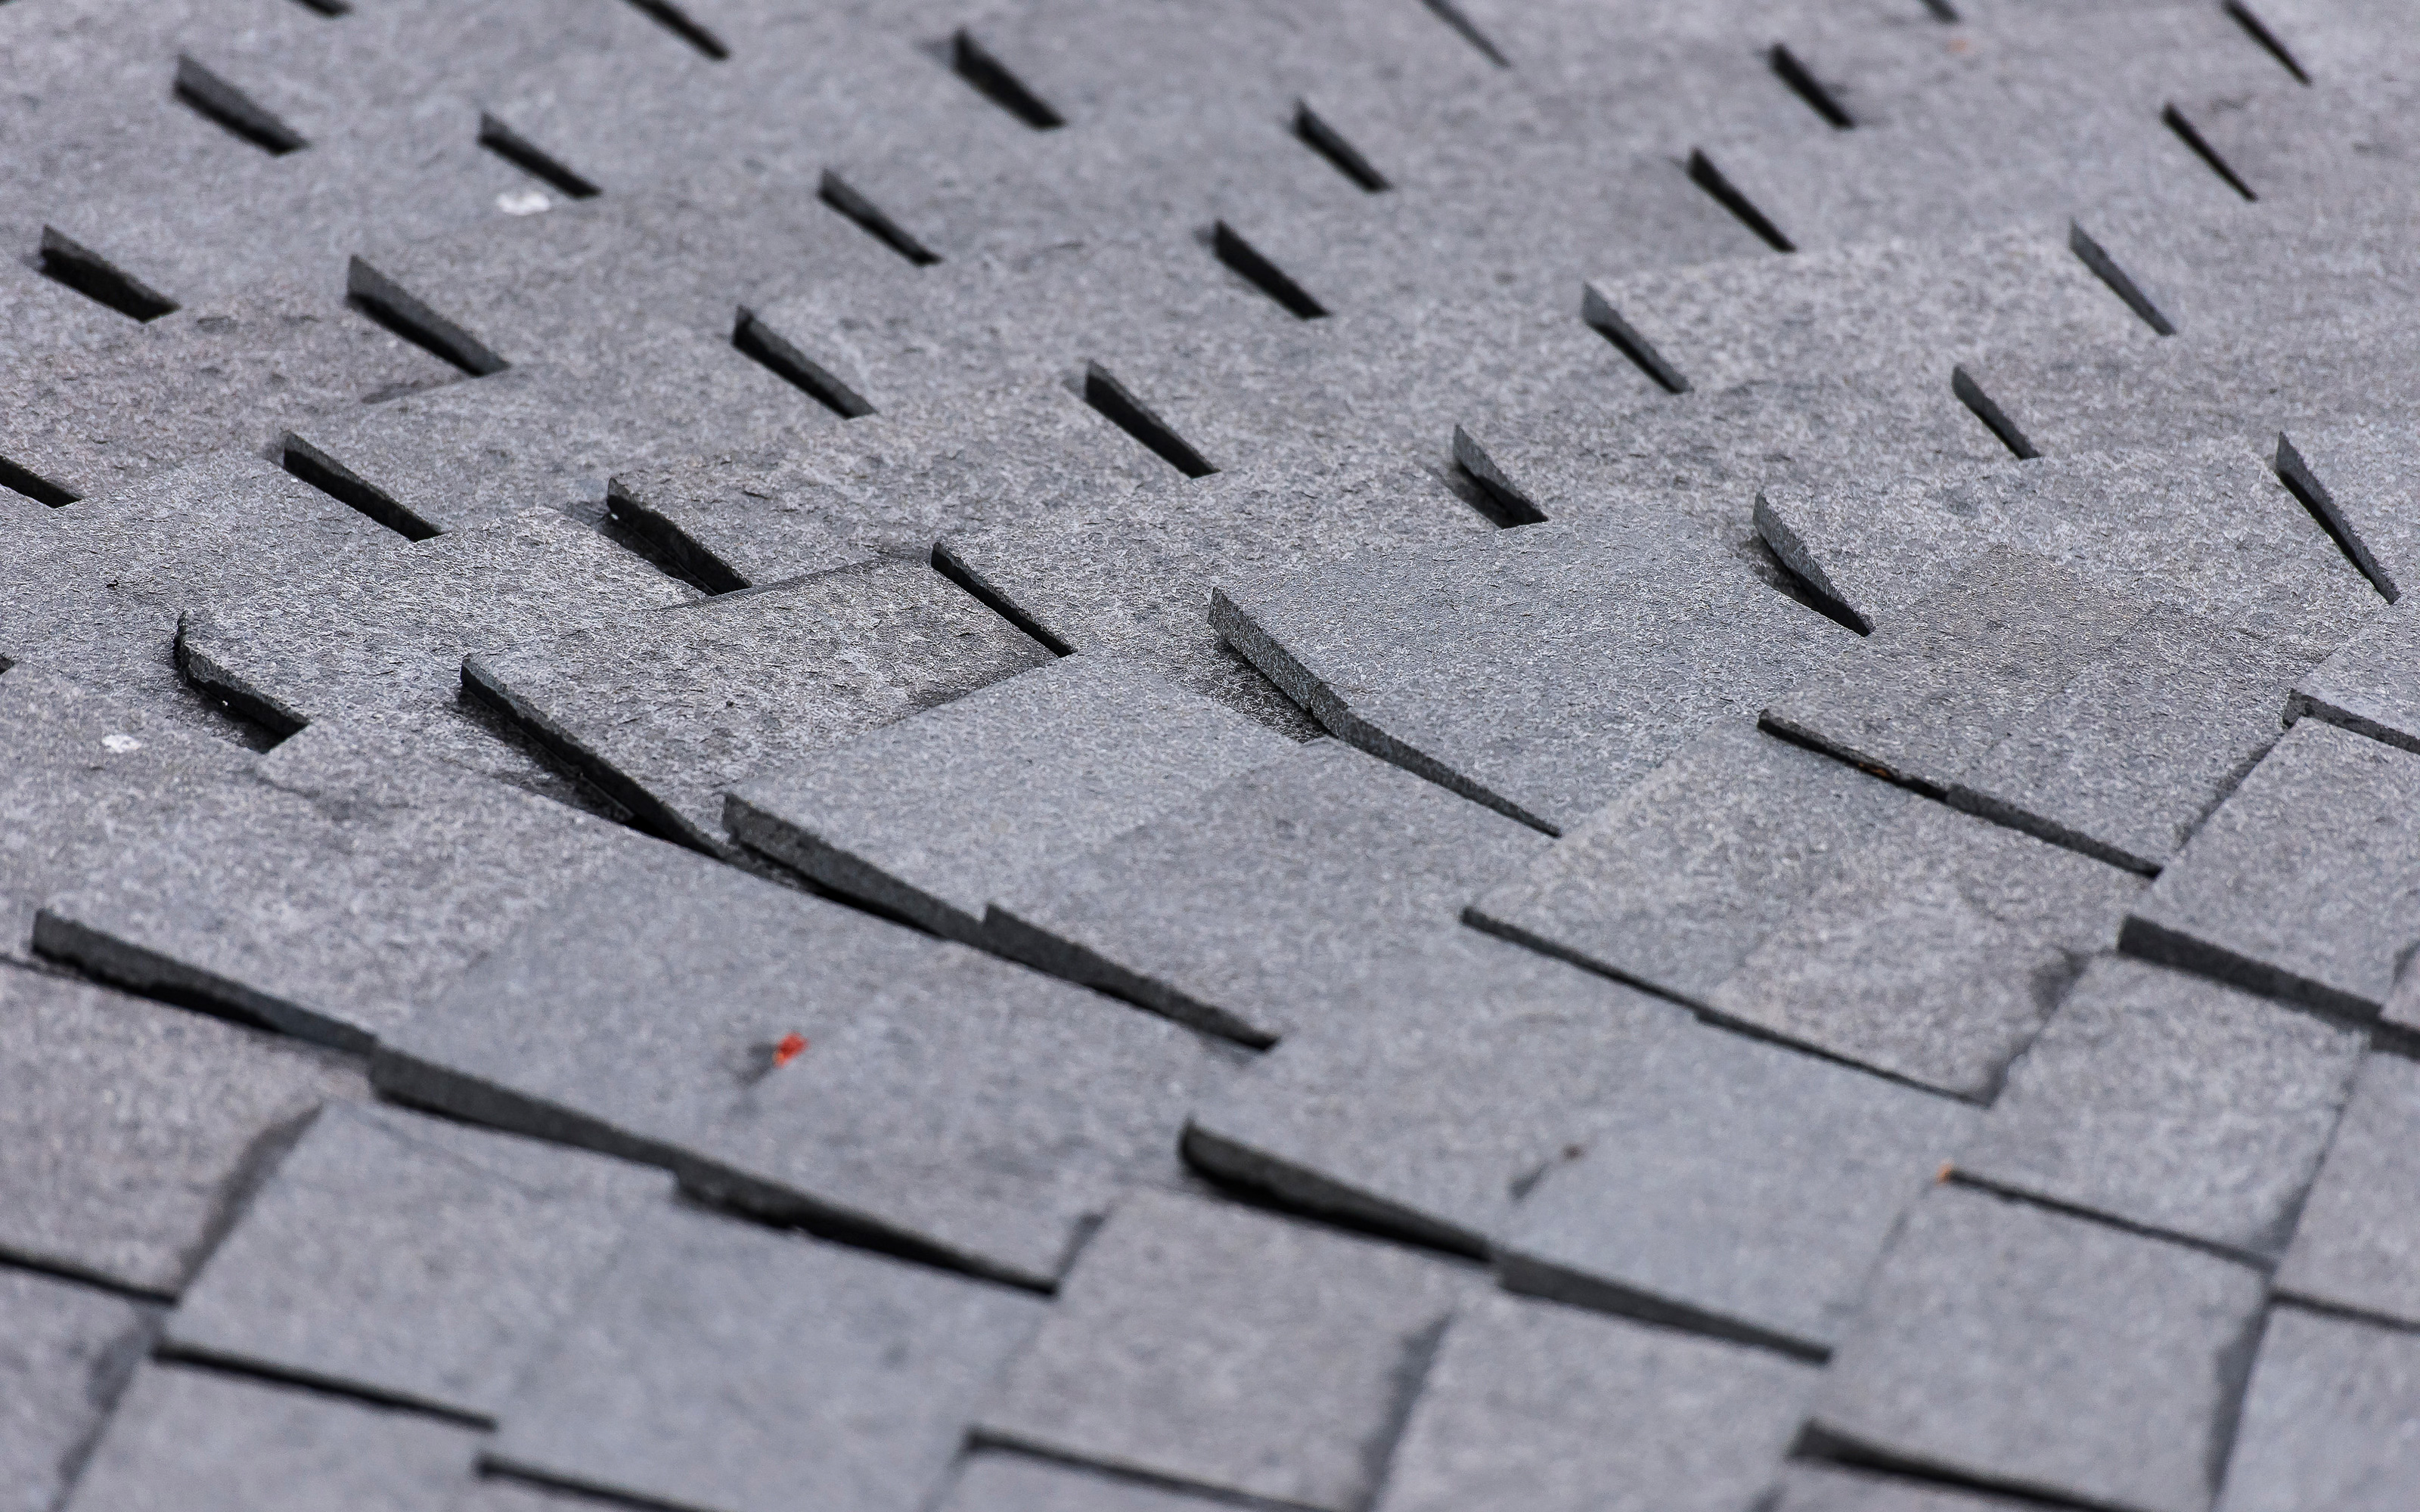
1211	1346
997	1482
409	1258
932	817
2306	884
2328	1420
131	1133
1809	1486
1533	1405
2367	686
2356	1248
2358	476
1731	1187
65	1351
2011	1345
732	1368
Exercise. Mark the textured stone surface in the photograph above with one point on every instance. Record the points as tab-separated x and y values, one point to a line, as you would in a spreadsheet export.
2359	478
1816	1487
2016	1347
65	1351
1229	1350
721	1364
2356	1246
2328	1421
1018	1483
2366	685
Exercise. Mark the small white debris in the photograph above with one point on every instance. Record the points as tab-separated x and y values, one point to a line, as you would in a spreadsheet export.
120	745
524	201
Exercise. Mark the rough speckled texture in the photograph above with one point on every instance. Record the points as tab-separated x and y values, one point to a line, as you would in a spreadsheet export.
2328	1421
65	1351
2356	1248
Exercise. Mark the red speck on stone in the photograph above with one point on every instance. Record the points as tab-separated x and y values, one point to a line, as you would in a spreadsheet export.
791	1048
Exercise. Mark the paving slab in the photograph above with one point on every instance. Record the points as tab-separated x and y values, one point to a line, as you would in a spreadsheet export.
185	1437
723	1367
2328	1420
2014	1347
933	816
666	711
1539	671
1259	909
2171	1104
813	1064
410	1260
2247	265
2301	885
1211	1346
2356	1249
2357	477
995	1482
65	1351
1731	1187
342	885
1533	1405
2365	685
1671	884
1935	955
135	1132
1816	1487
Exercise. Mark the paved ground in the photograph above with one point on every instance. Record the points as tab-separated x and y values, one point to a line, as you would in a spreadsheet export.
1136	755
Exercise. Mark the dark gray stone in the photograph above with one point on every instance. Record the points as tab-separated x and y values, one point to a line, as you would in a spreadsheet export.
812	1063
2172	1104
2366	685
2358	477
133	1131
189	1438
1532	1405
410	1260
2356	1248
65	1353
1216	1346
1817	1488
725	1367
932	817
2303	883
1731	1187
2015	1347
665	711
2328	1420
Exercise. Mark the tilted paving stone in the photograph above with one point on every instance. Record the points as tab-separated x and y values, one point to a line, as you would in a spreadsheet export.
1531	1405
1216	1346
2327	1422
2302	885
997	1482
2356	475
727	1367
1671	884
1815	1487
65	1351
2169	1103
932	817
1935	954
2011	1346
665	711
1463	662
344	885
215	1442
135	1132
2246	265
2355	1248
2366	684
409	1258
1731	1187
2295	145
813	1064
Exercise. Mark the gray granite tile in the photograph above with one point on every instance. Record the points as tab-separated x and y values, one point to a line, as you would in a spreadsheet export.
2019	1348
192	1438
65	1353
2365	685
1731	1187
134	1132
2328	1421
408	1259
2355	1247
1671	884
2300	886
813	1064
2358	477
1533	1405
1935	955
720	1365
1216	1346
2170	1102
1817	1488
933	816
1018	1483
665	711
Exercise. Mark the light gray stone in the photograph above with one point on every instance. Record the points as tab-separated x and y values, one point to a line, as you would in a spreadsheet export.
1532	1405
2014	1347
933	816
2366	684
2302	885
2358	476
1731	1187
2169	1103
1816	1487
65	1353
2328	1421
134	1132
408	1259
2356	1248
1219	1348
1018	1483
724	1367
